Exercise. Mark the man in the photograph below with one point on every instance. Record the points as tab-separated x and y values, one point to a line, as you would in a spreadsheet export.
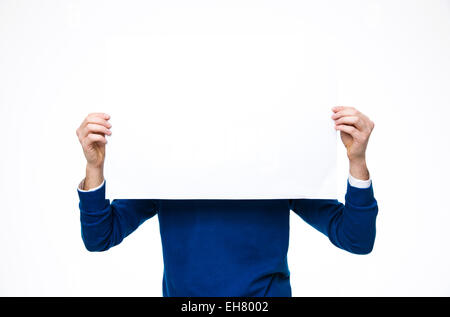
229	247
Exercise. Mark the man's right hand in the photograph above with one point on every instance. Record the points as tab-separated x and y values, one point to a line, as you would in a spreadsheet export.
92	136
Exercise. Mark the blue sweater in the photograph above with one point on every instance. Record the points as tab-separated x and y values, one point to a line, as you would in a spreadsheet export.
228	247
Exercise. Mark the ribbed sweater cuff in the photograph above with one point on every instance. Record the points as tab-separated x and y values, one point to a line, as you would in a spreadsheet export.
360	197
93	200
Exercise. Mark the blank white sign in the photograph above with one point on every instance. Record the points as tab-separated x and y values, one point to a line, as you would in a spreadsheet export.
222	100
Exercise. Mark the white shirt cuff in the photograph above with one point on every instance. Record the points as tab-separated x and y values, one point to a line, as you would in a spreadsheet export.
81	186
354	182
358	183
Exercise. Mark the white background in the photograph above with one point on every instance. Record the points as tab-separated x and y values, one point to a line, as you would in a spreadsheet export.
395	67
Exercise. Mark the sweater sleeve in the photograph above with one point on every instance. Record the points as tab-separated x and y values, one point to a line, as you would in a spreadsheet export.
105	224
350	227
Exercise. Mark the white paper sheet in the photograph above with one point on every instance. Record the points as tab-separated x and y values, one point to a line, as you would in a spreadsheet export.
222	100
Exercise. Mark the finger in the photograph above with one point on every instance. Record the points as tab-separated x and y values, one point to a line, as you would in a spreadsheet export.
82	132
96	117
347	129
338	108
351	120
101	115
94	138
348	111
97	120
94	128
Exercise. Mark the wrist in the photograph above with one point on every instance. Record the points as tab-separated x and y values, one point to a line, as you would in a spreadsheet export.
358	169
94	177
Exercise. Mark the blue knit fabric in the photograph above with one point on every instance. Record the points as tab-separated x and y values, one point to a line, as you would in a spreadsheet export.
228	247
